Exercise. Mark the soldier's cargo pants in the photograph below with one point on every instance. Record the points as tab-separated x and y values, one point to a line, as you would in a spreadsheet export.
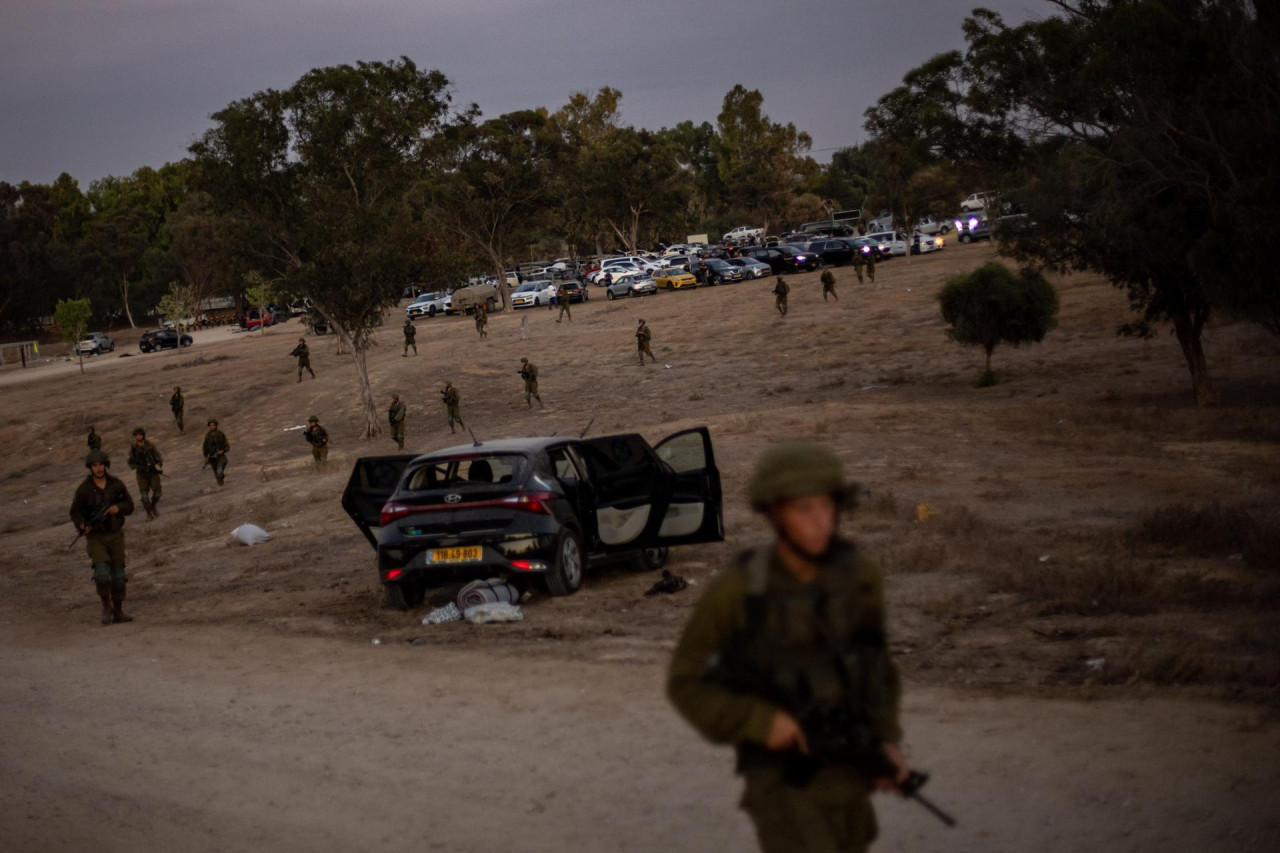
832	814
397	433
106	552
177	416
219	465
320	455
149	487
531	390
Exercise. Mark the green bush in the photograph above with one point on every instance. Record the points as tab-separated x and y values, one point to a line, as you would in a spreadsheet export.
992	305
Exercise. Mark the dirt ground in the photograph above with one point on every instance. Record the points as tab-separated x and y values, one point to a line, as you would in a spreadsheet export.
1080	568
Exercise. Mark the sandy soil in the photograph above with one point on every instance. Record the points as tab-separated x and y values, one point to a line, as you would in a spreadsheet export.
1052	661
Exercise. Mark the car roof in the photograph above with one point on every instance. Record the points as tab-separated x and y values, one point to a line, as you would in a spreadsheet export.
504	445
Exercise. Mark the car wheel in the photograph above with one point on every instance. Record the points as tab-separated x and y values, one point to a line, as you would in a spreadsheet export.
965	238
945	229
632	293
608	294
649	560
431	312
565	576
404	595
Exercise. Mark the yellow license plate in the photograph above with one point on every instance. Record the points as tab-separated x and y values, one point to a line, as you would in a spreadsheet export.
471	554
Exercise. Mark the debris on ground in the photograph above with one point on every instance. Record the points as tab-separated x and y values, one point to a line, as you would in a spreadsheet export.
448	613
669	585
250	534
924	512
491	591
498	611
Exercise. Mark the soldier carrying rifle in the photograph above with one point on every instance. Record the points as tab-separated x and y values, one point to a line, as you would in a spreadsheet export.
98	509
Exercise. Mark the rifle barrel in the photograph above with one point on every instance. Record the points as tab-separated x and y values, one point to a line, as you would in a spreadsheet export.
934	810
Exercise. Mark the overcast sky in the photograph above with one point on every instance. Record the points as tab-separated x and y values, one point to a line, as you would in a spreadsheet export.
101	87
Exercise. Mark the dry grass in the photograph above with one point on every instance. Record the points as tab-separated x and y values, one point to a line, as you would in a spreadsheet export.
199	360
1216	530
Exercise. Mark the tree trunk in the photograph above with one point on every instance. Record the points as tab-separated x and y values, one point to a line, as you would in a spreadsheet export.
503	287
372	423
124	297
1189	326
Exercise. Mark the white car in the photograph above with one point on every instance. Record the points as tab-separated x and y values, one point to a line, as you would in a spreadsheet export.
896	242
977	201
933	226
614	266
743	233
533	294
922	244
751	268
429	305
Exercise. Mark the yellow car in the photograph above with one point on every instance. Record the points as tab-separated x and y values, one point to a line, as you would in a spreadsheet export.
674	278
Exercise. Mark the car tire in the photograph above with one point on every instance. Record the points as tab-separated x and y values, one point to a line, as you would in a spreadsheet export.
404	595
648	560
608	294
944	230
431	311
565	576
965	238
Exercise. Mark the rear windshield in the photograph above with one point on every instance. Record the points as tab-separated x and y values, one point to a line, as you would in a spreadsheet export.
461	472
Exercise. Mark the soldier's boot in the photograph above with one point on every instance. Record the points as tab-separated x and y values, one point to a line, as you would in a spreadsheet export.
118	615
107	612
150	513
312	372
539	402
155	507
299	375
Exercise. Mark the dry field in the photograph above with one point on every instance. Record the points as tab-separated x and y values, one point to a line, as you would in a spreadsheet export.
1080	531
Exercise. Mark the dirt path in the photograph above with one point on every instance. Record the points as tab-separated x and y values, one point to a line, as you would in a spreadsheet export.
145	738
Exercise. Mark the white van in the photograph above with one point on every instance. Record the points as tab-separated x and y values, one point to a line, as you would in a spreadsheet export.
895	240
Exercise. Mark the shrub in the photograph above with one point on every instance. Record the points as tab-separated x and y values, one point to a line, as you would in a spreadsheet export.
991	305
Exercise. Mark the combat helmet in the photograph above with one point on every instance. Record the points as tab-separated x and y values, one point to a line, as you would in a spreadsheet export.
97	456
313	420
797	468
139	430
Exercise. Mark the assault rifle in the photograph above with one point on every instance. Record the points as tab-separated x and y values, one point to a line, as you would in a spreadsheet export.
100	514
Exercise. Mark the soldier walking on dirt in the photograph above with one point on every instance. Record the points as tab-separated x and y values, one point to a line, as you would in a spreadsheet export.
482	321
146	463
828	285
95	440
396	415
871	264
453	405
303	354
318	437
529	373
787	647
410	335
216	447
643	336
98	509
859	261
176	405
562	295
780	291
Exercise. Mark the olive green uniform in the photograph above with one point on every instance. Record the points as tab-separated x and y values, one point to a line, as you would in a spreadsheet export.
104	542
780	291
529	373
643	337
453	406
871	265
396	415
303	354
482	322
828	285
176	404
562	296
145	460
859	261
318	437
410	338
215	449
794	639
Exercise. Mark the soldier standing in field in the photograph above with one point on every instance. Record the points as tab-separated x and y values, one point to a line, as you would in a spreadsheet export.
396	415
562	296
176	405
216	447
318	437
98	509
828	285
410	336
529	373
643	336
303	354
482	321
859	261
453	405
788	647
146	462
780	291
871	263
95	440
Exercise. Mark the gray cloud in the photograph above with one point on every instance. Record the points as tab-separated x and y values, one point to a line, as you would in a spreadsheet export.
98	88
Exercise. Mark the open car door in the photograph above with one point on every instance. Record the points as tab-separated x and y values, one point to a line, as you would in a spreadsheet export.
695	508
373	481
629	491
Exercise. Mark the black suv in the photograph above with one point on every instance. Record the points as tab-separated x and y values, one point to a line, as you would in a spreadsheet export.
783	258
154	339
533	507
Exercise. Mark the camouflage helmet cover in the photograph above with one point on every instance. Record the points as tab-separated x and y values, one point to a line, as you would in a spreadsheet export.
139	430
97	456
798	468
313	420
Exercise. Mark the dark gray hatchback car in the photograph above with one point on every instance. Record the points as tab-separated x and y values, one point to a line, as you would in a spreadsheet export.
533	507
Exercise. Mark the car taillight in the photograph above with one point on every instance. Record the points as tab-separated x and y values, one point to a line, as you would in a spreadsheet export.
536	502
393	511
394	573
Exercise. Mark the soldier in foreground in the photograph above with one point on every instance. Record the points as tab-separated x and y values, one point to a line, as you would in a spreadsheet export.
318	437
453	405
176	405
303	354
98	509
146	463
780	291
410	339
562	296
216	447
643	337
396	415
785	657
95	440
482	321
828	285
529	373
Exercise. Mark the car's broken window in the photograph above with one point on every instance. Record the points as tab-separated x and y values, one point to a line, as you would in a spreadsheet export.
469	471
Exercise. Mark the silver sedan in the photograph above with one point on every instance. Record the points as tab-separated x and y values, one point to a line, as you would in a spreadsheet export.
631	287
751	268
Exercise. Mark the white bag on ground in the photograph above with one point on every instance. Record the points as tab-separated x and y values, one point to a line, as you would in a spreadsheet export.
494	612
448	613
250	534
